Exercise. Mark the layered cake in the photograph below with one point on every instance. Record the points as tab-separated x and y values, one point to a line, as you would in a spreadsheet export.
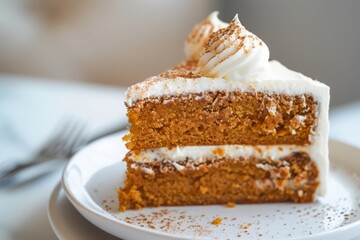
225	126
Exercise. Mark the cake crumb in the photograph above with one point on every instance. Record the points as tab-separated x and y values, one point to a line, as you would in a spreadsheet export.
138	206
230	204
203	190
216	221
300	193
220	152
122	208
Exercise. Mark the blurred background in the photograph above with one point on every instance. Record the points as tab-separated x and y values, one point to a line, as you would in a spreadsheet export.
121	42
72	60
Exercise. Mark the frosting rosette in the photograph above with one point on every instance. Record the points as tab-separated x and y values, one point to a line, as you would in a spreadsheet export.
233	53
200	35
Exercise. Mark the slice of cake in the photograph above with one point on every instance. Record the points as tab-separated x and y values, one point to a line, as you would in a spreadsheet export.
225	126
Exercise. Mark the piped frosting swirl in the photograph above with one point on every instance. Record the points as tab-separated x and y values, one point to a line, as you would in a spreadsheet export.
233	53
200	35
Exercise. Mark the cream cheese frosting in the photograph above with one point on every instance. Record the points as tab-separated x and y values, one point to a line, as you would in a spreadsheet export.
234	53
277	79
199	154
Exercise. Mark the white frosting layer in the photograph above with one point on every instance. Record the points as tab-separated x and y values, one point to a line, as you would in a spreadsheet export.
277	79
199	154
234	53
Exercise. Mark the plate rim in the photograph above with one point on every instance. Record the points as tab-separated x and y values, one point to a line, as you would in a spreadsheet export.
77	204
50	213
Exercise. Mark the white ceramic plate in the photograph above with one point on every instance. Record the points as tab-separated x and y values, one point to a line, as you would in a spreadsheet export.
91	179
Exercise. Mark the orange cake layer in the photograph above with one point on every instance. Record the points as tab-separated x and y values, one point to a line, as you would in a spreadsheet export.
290	179
252	118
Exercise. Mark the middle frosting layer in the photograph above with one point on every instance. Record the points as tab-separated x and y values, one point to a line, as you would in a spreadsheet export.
203	153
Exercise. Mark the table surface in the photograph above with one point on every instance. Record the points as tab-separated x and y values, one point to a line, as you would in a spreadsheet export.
31	108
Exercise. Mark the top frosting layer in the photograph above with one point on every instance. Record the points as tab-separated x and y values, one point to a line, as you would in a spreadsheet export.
200	35
233	53
186	78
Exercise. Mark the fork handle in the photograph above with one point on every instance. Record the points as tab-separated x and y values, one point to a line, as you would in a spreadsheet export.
7	169
15	168
12	169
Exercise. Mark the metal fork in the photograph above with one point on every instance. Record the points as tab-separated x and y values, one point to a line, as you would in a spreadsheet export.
61	146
